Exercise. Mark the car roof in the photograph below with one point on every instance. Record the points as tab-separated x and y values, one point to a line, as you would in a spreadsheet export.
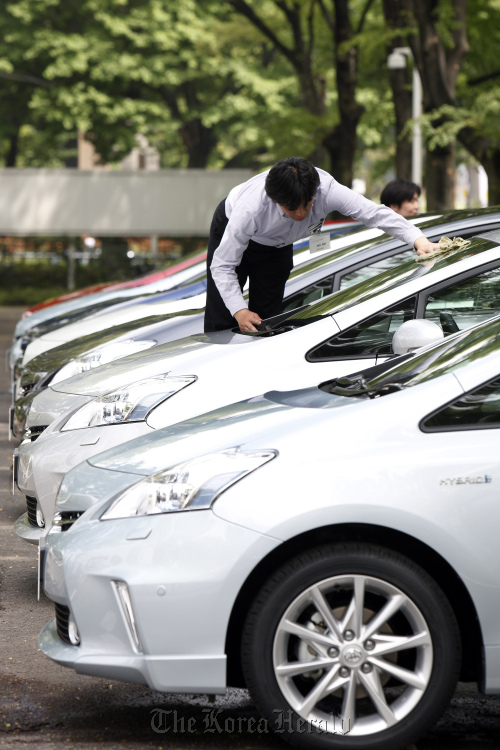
393	277
360	251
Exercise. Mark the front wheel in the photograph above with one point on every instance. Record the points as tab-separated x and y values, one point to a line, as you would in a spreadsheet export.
351	646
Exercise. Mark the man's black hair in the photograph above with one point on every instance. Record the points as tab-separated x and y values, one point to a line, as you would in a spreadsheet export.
397	192
292	182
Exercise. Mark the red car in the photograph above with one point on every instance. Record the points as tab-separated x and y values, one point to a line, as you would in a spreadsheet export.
148	279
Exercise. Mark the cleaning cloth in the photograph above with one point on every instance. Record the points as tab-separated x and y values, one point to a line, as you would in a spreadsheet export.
446	246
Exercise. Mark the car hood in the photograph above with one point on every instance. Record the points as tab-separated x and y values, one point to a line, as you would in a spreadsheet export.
211	355
264	421
94	324
155	327
306	425
147	364
250	417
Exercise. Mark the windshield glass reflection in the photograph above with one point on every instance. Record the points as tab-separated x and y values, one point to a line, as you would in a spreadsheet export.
375	285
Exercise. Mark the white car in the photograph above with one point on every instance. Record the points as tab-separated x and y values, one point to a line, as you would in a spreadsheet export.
104	297
138	309
334	550
184	272
348	330
313	277
310	280
98	303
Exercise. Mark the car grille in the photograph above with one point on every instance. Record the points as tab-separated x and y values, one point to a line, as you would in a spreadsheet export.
68	518
31	503
62	621
34	432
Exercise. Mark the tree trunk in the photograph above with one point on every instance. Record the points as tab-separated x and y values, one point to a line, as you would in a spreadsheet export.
440	178
403	111
341	141
401	85
341	146
199	142
491	165
197	138
12	153
439	66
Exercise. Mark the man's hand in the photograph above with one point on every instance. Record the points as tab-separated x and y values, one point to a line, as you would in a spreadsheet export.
247	320
424	247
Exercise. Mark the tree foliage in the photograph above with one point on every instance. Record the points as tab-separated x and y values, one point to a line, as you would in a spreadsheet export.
245	82
112	68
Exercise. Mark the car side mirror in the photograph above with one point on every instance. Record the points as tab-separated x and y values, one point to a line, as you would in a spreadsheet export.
415	333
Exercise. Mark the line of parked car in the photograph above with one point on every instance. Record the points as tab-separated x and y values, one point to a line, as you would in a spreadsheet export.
307	511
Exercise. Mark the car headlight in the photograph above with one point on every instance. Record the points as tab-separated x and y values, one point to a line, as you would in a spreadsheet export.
192	485
101	355
131	403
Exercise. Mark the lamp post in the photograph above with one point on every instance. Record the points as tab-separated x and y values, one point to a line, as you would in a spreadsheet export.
397	61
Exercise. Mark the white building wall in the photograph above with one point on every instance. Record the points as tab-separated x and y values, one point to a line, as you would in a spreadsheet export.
171	202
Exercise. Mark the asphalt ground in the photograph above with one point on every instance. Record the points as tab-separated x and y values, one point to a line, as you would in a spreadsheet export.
43	705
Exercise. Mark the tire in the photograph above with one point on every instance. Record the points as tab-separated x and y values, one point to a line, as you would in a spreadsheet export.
377	687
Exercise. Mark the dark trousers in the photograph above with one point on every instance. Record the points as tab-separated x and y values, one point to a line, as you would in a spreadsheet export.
266	268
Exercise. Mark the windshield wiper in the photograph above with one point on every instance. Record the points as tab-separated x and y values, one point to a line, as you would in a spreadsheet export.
359	387
264	330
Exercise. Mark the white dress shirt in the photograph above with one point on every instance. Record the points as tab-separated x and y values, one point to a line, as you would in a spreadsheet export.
254	216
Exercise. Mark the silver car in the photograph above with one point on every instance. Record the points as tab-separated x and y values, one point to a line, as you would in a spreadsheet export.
334	550
352	258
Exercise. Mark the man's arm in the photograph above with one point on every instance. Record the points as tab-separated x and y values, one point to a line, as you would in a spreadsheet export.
226	259
350	203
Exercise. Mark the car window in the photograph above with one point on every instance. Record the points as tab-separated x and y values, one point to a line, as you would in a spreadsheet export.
361	274
466	303
477	409
310	294
368	338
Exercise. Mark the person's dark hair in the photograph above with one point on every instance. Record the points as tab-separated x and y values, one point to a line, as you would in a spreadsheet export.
292	182
398	191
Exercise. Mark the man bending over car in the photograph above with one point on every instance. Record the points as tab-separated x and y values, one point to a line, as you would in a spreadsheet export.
254	228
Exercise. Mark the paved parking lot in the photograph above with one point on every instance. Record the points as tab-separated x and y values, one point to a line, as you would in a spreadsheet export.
43	705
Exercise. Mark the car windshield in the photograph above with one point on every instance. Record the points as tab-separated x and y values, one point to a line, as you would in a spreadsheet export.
346	246
412	369
375	285
349	246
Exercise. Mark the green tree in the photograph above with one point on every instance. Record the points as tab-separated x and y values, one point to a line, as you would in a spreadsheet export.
461	84
113	68
20	77
475	119
318	38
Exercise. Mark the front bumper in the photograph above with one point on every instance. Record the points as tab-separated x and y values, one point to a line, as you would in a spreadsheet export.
207	673
178	567
26	531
